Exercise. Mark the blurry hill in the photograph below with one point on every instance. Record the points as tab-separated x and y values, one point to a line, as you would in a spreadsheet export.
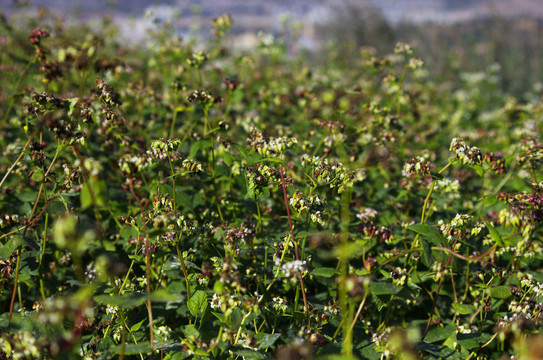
266	12
450	35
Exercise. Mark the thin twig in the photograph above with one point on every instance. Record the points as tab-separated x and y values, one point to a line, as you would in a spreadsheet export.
438	289
148	263
19	158
306	306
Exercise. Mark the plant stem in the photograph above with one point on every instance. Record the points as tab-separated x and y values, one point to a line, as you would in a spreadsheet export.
15	284
306	306
15	88
147	264
182	261
40	266
438	289
19	158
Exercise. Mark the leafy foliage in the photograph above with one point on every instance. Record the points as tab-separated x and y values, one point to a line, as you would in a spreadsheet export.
159	201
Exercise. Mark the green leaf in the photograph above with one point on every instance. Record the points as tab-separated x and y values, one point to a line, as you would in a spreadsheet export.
190	330
479	169
324	272
133	349
196	302
500	292
463	309
249	354
471	341
56	208
427	257
227	158
384	288
38	175
93	191
441	351
218	315
123	301
137	326
162	295
431	233
8	248
198	145
490	200
439	333
494	234
266	340
272	159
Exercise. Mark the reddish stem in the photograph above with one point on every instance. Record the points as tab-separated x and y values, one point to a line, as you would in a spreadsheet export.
438	289
147	263
296	247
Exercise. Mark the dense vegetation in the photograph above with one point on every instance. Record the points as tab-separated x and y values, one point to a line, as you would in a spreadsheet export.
178	199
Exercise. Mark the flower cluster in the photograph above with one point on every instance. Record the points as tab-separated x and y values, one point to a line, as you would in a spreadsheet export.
244	235
527	205
50	69
86	115
163	332
164	149
37	35
531	152
8	220
529	285
226	302
367	215
110	99
279	304
131	164
468	155
326	173
92	166
272	146
221	25
44	102
314	205
294	270
230	275
192	166
417	165
447	185
439	270
21	345
60	123
454	228
197	59
369	226
202	97
6	268
415	63
399	275
261	175
107	94
497	162
73	177
403	48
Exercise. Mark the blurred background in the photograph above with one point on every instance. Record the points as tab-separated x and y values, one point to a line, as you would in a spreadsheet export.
453	37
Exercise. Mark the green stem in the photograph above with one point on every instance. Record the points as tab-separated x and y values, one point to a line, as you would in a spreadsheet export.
18	158
259	225
182	262
40	266
15	284
15	88
347	347
306	306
